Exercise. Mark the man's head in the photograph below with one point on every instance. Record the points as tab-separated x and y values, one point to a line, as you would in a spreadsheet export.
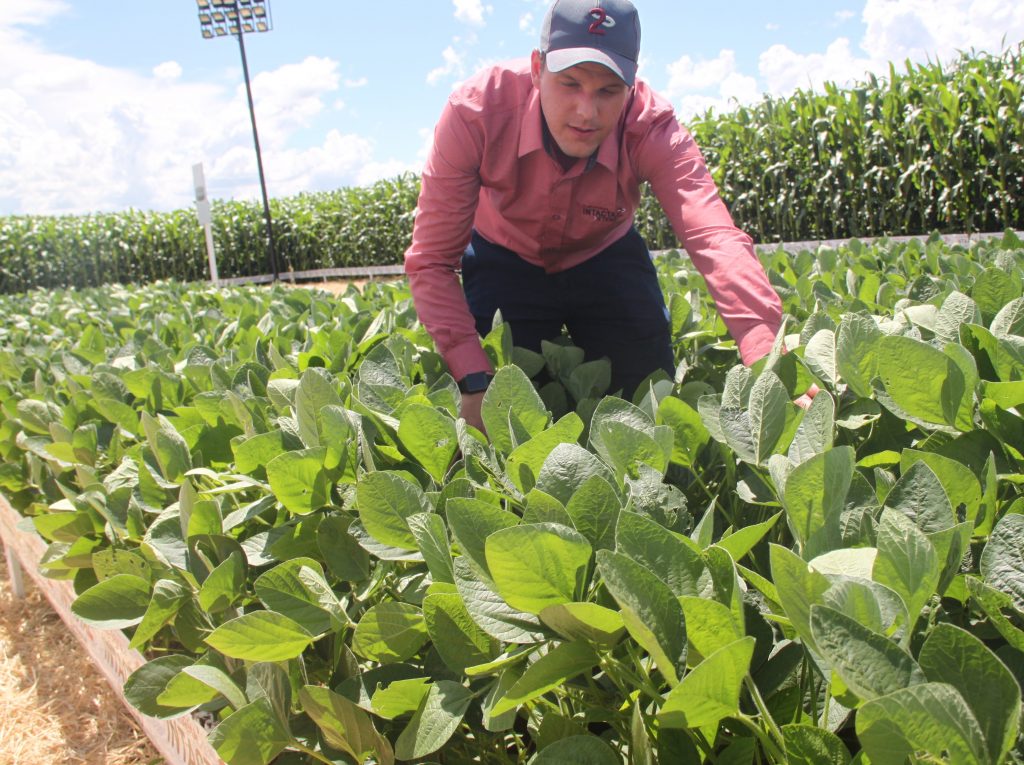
603	32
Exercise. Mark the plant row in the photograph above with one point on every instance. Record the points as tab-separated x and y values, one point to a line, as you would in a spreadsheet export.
932	148
270	492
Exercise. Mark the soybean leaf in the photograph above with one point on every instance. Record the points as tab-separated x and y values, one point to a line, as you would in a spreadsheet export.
524	463
585	621
458	639
650	610
919	495
345	726
710	625
511	392
429	436
929	717
297	589
711	691
115	603
438	717
432	539
566	468
260	636
814	498
145	684
252	735
1002	561
689	434
577	750
385	500
167	598
390	632
674	559
472	521
168	446
870	664
298	479
488	609
594	510
401	697
551	670
537	565
906	561
810	745
954	656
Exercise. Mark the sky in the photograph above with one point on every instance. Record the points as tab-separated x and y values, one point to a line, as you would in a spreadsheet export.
106	105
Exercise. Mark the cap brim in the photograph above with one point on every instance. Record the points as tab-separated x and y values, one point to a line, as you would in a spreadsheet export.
559	60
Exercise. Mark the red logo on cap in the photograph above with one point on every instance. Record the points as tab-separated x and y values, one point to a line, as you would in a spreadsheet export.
599	15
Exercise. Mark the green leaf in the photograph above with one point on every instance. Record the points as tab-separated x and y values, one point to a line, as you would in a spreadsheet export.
555	668
815	433
906	561
488	609
650	610
432	540
810	745
145	684
200	684
260	636
345	558
170	449
594	510
954	656
1002	561
385	500
870	664
472	521
458	639
297	589
928	717
566	468
252	735
919	495
815	497
390	632
437	718
690	435
585	621
314	392
821	357
167	598
767	409
577	750
524	463
676	560
963	491
743	540
927	386
428	435
345	726
115	603
224	585
537	565
511	396
401	697
711	691
858	352
299	481
710	625
799	587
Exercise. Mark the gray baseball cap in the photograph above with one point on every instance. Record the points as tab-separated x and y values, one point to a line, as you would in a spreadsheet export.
602	31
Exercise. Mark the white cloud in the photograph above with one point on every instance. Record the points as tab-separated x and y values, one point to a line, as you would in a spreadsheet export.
698	85
919	29
360	83
526	23
784	70
454	66
471	11
168	70
77	136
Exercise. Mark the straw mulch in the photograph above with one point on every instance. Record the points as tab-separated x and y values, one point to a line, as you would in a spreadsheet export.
55	707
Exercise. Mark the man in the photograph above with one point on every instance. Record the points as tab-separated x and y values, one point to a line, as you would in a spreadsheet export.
531	186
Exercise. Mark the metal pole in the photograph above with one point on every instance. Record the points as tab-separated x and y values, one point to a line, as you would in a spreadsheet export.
256	140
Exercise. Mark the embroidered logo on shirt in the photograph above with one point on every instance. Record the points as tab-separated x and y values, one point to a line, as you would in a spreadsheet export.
603	214
601	19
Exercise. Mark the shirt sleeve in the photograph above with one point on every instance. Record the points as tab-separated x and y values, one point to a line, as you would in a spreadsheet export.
449	193
670	160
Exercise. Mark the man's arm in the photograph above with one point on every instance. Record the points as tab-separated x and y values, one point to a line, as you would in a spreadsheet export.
448	198
723	254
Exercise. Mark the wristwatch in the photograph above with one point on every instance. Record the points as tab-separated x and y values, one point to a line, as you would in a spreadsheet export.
475	382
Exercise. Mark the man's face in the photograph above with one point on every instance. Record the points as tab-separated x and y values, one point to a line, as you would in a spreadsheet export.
581	104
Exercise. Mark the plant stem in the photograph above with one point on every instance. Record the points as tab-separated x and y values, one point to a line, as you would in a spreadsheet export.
762	709
311	752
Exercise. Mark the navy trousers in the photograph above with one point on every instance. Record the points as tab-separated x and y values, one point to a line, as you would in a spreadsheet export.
611	304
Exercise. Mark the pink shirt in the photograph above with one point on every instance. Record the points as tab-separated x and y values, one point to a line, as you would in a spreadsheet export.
488	170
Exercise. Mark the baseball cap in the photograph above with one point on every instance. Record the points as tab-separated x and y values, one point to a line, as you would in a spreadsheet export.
602	31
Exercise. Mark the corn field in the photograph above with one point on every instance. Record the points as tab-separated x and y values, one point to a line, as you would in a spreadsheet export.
931	148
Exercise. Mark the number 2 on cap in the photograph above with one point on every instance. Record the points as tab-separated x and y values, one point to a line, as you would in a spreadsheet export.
599	15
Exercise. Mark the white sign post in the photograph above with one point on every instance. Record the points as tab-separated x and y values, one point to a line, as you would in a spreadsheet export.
205	218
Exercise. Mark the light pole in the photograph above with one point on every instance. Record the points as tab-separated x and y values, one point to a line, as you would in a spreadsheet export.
219	18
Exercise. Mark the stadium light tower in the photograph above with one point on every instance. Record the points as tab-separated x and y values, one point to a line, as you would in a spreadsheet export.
220	18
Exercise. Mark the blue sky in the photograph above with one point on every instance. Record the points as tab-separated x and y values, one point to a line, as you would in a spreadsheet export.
106	104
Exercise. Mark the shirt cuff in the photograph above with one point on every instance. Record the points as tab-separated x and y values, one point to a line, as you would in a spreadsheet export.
468	356
755	343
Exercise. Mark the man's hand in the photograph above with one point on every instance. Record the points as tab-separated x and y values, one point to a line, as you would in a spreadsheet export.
470	409
805	400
